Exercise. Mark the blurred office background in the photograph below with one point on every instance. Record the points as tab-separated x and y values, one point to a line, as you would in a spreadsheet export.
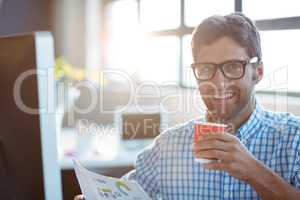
147	44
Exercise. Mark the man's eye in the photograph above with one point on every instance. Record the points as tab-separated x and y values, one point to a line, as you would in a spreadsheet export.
233	67
205	69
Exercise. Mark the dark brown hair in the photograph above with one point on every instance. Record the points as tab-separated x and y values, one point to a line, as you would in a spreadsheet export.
236	25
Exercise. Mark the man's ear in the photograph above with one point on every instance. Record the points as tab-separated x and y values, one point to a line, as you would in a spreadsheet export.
258	73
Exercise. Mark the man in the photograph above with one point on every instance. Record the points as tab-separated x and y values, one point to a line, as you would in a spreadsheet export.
258	159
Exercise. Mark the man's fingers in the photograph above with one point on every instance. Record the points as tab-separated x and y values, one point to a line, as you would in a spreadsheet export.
212	144
215	166
226	137
79	197
215	154
219	141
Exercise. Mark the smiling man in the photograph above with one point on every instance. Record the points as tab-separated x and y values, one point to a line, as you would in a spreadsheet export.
259	158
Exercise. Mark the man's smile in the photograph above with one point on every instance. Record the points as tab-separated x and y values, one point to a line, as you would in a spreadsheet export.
224	95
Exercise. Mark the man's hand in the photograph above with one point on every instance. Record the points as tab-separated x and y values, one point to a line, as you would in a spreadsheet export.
233	155
79	197
240	163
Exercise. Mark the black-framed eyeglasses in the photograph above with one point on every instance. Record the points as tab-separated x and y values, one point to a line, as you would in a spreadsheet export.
232	69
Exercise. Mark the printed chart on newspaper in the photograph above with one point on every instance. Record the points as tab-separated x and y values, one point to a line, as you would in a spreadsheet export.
98	187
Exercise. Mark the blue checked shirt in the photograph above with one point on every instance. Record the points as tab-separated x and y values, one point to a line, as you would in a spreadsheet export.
166	169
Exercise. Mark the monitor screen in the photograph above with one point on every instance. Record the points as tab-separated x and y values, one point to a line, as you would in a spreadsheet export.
140	125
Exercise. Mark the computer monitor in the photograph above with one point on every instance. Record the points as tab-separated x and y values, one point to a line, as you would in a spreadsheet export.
139	125
29	166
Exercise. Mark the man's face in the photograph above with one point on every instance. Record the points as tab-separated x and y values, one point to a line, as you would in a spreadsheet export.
226	98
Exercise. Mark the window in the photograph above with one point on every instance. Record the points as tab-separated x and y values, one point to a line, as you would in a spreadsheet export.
151	38
187	74
133	49
196	10
270	9
123	11
160	15
159	60
279	24
280	57
124	38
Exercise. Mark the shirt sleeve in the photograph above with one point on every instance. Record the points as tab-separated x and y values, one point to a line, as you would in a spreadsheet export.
146	169
297	180
296	177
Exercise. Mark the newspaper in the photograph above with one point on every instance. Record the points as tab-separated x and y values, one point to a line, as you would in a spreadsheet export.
98	187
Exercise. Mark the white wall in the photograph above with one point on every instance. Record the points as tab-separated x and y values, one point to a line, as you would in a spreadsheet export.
70	30
77	31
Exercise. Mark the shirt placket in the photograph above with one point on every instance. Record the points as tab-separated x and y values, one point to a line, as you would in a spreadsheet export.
227	188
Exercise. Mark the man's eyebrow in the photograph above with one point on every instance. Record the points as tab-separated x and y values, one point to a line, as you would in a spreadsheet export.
227	60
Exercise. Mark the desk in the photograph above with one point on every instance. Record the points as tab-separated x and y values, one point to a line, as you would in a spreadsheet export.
123	158
87	154
68	143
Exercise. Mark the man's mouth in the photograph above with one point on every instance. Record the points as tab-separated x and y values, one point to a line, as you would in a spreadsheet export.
224	96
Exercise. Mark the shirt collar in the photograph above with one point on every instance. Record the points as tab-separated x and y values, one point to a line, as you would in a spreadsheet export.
252	124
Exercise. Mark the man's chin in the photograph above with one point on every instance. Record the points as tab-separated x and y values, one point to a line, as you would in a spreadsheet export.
220	116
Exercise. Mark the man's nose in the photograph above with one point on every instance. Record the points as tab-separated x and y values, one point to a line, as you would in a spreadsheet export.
219	79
